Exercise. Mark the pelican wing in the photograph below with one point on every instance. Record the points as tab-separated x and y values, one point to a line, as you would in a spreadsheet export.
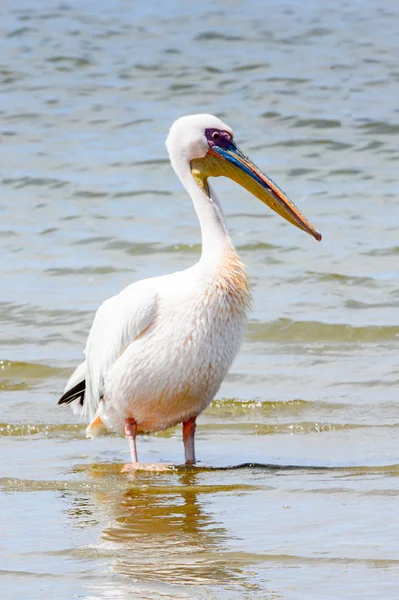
117	323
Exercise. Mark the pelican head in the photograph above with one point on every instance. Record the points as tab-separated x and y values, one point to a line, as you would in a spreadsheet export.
206	145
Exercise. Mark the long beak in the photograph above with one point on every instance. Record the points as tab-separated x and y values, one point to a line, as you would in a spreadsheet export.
240	169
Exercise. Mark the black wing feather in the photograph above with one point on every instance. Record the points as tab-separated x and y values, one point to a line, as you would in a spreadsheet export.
78	391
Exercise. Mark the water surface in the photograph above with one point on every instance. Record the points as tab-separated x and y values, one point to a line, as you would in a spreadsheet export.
295	495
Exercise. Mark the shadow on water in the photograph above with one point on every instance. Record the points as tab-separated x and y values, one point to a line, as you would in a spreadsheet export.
160	534
161	531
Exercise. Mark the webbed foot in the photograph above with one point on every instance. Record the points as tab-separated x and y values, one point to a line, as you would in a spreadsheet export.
139	466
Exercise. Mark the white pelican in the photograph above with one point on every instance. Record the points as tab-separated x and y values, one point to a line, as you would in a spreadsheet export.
158	351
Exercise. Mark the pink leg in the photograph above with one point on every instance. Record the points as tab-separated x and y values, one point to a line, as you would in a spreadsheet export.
188	439
134	466
131	432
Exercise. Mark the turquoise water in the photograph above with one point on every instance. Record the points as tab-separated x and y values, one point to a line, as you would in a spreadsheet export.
295	494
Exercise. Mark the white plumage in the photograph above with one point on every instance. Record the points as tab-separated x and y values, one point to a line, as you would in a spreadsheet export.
158	351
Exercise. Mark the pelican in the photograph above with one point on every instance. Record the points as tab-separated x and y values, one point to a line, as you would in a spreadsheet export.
158	351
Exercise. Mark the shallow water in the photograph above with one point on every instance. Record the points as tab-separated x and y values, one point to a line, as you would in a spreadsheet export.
295	496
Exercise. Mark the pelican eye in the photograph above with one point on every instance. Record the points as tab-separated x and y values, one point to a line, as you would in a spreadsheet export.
218	137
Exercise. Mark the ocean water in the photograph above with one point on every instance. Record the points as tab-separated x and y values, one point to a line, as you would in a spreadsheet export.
295	495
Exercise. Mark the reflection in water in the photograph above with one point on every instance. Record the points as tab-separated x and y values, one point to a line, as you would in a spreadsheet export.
161	533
